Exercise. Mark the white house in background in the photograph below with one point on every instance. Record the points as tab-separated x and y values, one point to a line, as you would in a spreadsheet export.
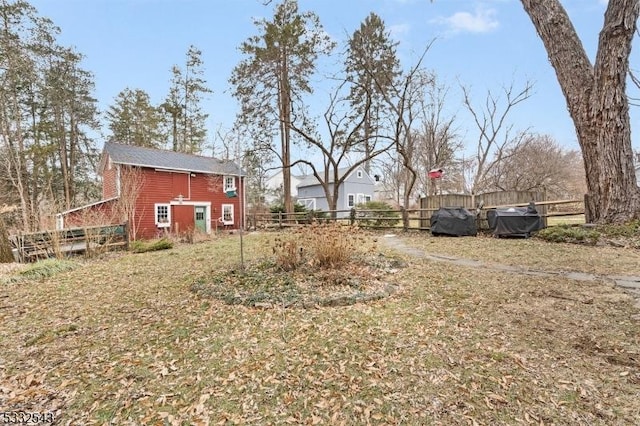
357	188
638	174
387	193
274	187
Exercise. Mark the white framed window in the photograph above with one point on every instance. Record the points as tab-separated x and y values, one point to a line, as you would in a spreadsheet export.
229	183
359	174
351	200
163	215
227	214
360	199
367	198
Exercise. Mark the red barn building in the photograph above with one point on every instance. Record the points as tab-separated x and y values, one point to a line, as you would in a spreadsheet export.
161	191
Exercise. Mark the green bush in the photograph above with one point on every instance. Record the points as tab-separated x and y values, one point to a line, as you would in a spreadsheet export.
41	270
631	229
302	214
139	246
279	208
569	234
381	214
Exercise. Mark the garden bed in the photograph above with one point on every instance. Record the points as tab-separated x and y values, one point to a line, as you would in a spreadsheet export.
265	285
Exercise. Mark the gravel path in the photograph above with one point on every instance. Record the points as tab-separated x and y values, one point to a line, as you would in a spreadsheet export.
630	283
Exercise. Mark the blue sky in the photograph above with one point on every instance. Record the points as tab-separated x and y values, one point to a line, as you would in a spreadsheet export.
482	44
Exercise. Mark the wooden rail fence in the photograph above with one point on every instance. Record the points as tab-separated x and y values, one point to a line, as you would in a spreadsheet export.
88	241
415	219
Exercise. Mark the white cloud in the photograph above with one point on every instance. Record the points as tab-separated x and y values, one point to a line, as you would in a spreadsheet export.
399	31
482	21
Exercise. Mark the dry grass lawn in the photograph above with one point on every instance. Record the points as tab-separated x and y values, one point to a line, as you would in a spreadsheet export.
122	340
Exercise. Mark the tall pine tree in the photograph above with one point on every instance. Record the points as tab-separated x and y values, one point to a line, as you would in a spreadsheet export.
372	67
134	121
46	113
278	65
182	107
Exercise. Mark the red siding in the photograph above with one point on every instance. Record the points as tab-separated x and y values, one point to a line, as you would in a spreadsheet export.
182	218
101	214
161	187
109	177
180	185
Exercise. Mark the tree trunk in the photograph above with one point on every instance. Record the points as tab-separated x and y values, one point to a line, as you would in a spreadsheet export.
174	131
285	132
6	255
597	101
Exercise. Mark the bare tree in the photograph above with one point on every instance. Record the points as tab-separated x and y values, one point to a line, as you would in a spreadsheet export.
405	110
438	139
344	135
495	134
422	136
538	164
131	184
596	96
432	143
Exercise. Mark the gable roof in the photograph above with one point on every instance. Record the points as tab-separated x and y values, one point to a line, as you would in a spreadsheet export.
161	159
278	174
311	180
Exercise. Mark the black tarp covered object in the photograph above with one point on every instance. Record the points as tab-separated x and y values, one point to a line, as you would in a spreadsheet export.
514	221
453	221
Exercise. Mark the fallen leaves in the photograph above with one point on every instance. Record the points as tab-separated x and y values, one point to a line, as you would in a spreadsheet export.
457	346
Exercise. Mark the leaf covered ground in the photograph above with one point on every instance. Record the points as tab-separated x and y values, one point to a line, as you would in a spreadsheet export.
122	340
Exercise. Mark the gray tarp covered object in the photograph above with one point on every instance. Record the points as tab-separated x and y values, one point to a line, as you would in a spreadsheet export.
453	221
514	221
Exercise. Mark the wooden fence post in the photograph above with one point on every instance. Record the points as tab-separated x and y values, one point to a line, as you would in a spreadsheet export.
405	218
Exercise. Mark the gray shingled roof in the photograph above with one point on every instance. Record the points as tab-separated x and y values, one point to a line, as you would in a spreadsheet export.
161	159
311	180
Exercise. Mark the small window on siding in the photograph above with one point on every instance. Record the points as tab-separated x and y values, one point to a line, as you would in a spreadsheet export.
227	214
359	174
350	200
229	183
367	198
163	215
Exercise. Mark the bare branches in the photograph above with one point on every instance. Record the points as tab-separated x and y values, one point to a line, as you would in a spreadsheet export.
342	128
131	184
538	163
494	133
279	63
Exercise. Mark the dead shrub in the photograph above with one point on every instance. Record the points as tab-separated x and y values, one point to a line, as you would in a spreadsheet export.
319	245
288	253
331	245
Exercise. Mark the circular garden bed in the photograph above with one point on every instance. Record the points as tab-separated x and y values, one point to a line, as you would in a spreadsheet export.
265	285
